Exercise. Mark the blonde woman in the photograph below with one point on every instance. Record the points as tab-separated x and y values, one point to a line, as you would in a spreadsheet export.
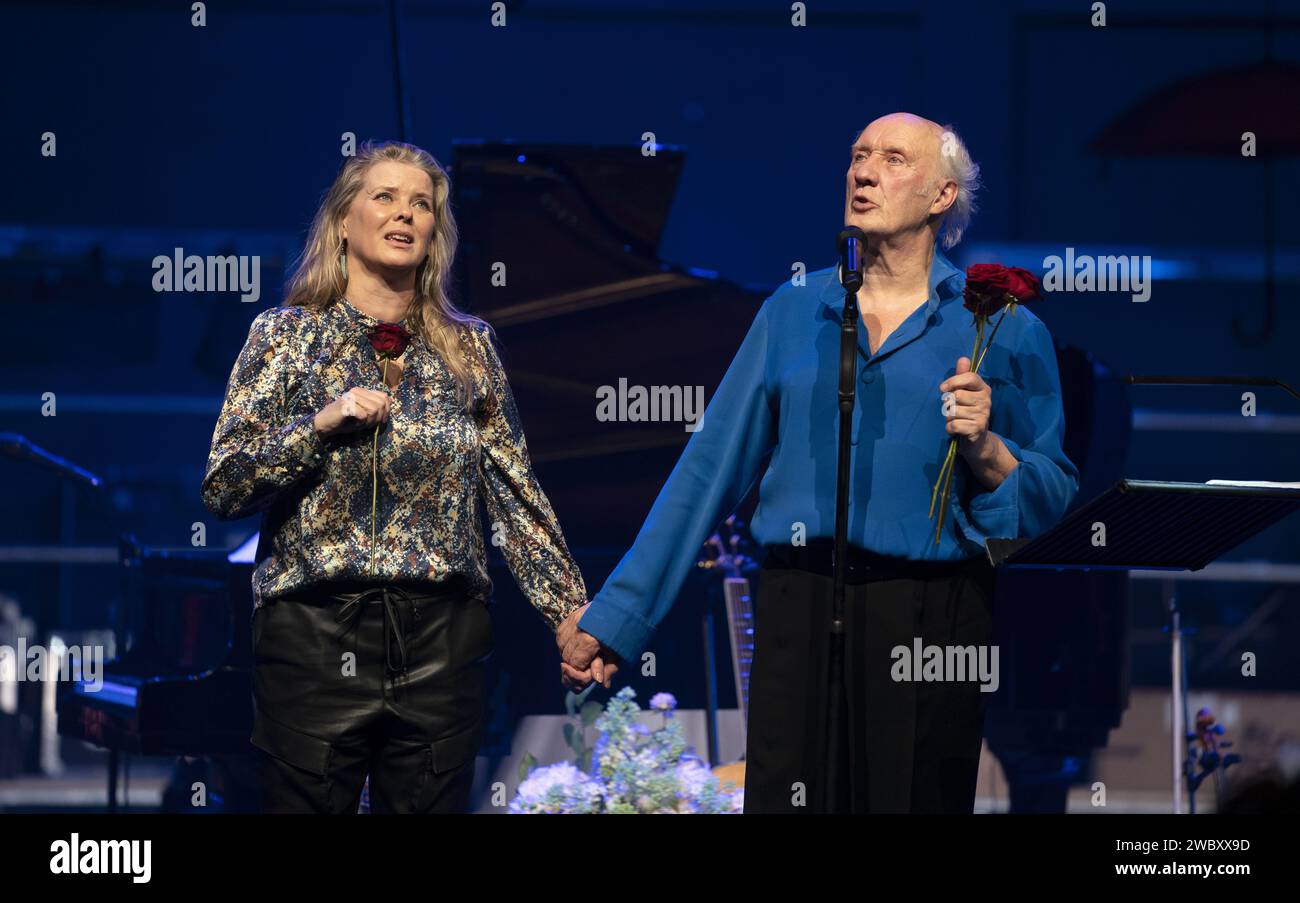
370	626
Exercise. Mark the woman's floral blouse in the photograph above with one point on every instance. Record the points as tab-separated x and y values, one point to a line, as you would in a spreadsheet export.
435	462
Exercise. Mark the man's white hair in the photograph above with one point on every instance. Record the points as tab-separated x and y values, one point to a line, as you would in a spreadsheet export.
956	164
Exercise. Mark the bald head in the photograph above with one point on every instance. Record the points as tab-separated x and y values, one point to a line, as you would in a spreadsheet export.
917	128
909	173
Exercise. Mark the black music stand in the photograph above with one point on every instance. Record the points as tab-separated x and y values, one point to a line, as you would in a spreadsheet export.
1154	526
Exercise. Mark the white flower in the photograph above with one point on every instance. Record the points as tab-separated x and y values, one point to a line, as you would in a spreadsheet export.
557	788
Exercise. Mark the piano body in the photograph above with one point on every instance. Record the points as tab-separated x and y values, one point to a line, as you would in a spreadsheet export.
181	683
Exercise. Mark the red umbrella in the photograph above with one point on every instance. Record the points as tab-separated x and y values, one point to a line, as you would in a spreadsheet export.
1207	114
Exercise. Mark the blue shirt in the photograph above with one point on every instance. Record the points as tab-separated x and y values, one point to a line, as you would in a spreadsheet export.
780	395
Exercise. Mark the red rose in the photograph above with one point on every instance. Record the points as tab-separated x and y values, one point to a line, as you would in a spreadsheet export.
991	286
390	340
982	305
1023	284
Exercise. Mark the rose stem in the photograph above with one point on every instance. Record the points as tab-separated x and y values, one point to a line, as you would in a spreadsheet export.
949	462
995	332
952	444
374	481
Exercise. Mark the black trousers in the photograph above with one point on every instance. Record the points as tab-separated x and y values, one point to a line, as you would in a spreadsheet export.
377	679
909	746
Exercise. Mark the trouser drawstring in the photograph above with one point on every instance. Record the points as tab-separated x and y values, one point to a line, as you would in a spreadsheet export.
393	634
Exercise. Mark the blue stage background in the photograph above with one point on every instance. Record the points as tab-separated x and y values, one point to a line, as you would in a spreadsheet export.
221	139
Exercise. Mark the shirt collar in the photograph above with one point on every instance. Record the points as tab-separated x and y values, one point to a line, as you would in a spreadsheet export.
365	319
943	285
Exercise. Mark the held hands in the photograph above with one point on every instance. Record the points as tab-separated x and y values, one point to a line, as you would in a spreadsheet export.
583	657
968	401
355	409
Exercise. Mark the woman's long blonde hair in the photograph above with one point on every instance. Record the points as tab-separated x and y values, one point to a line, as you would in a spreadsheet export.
320	279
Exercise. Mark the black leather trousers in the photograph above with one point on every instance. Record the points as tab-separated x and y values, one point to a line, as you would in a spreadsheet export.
378	679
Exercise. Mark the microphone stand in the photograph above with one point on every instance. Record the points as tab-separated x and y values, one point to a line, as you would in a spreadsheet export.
851	241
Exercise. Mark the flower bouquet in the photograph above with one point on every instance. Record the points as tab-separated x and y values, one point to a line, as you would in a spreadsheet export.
631	769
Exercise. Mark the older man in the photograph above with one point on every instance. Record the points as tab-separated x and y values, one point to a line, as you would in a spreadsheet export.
912	745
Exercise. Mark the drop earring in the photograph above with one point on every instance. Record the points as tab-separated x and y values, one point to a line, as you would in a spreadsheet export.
343	259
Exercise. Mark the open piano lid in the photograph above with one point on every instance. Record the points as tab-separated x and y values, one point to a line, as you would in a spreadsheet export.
589	217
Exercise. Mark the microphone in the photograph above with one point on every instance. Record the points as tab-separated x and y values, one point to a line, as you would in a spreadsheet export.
852	241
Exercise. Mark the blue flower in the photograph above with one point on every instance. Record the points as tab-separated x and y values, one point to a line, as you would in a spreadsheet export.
663	702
